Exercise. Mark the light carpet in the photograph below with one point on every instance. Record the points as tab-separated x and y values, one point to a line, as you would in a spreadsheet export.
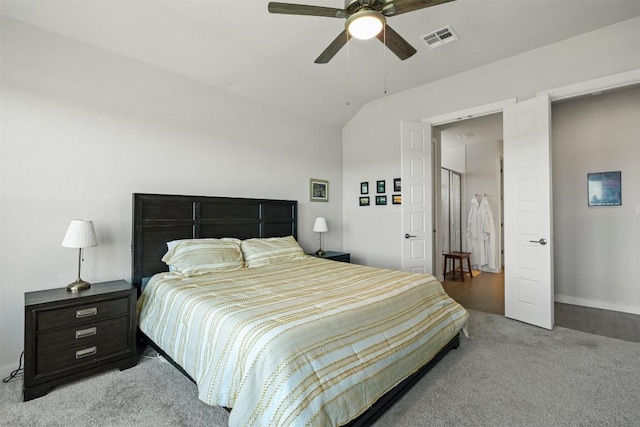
505	374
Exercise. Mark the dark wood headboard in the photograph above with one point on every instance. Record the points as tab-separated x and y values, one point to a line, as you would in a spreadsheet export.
159	218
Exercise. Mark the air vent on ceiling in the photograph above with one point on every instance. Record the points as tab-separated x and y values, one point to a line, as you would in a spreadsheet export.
439	37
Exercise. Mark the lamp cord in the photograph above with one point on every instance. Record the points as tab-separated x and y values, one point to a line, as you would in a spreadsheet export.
15	373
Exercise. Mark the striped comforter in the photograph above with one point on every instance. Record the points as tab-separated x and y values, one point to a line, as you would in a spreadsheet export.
307	343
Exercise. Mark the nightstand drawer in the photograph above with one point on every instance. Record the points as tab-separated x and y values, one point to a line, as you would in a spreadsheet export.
82	334
69	316
81	354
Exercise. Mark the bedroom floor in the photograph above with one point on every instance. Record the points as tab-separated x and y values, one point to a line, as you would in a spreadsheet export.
485	292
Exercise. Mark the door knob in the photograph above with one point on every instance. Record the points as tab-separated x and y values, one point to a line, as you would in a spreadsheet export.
541	241
407	236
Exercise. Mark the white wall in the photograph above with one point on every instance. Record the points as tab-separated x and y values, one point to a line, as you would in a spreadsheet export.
597	249
83	128
372	138
454	158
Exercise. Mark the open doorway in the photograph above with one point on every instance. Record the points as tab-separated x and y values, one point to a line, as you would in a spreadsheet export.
471	177
579	126
571	289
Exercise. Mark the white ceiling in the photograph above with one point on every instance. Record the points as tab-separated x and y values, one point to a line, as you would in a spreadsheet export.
484	129
237	46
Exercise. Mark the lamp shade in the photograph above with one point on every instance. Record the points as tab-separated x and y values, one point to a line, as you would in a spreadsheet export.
320	226
80	234
365	24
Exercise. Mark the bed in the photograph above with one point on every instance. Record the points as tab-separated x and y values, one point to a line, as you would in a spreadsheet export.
280	337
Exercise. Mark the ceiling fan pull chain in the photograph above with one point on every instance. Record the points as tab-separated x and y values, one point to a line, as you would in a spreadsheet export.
348	102
384	56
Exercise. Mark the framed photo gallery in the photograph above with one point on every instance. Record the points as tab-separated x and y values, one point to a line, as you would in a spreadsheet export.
380	197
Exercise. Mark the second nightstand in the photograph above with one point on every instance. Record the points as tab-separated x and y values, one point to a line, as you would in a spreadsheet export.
335	256
68	336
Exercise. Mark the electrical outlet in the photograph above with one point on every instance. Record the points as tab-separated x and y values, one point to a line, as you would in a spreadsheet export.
637	210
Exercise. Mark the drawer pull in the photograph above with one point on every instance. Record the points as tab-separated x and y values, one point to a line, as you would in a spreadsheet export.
86	352
87	312
83	333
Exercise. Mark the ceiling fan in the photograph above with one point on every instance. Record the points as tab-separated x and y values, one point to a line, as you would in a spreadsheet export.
365	19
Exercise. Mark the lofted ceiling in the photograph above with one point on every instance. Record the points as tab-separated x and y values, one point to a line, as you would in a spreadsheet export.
239	47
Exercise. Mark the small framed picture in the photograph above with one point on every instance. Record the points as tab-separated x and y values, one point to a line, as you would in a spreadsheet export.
396	199
605	188
397	185
364	187
318	190
380	186
381	200
364	201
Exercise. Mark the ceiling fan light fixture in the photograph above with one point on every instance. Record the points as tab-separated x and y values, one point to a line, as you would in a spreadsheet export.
365	24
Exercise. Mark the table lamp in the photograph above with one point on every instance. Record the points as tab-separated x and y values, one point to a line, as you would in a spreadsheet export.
80	234
320	226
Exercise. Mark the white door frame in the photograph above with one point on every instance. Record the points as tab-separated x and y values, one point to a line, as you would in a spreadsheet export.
468	113
614	81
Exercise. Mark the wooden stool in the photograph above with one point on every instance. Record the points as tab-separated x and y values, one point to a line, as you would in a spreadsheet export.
460	256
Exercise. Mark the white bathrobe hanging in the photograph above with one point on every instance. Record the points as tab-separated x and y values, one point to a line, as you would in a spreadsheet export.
488	235
474	234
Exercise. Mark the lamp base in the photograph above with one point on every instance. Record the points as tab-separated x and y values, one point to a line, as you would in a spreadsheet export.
78	285
320	252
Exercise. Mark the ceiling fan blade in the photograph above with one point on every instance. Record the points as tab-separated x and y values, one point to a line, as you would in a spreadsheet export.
333	48
396	43
303	9
404	6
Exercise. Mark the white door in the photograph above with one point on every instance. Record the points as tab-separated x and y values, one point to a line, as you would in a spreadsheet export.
417	226
529	292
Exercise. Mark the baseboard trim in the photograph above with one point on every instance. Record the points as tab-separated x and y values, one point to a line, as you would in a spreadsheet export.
565	299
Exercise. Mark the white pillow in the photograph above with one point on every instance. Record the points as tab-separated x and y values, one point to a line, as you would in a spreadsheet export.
170	245
272	250
192	257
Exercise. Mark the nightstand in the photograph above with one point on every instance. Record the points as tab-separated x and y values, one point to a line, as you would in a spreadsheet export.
335	256
68	336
